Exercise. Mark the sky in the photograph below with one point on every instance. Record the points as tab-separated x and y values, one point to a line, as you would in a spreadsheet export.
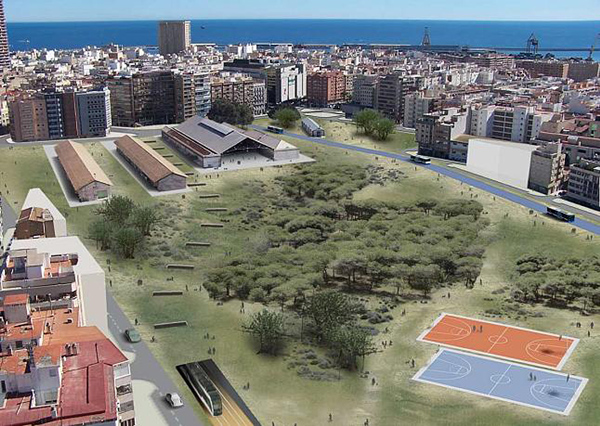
125	10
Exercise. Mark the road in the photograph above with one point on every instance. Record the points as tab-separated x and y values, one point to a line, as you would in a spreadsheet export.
145	368
580	222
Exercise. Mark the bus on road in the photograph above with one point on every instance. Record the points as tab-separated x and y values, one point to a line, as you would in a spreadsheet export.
421	159
275	129
560	214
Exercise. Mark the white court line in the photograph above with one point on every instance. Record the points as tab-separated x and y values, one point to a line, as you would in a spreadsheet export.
417	377
559	367
499	380
497	340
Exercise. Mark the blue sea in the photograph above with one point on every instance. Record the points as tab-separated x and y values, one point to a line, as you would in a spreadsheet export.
67	35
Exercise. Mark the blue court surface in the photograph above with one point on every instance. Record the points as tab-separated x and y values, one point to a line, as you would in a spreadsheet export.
506	381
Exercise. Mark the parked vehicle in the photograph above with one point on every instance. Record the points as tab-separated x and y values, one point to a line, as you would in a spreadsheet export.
133	335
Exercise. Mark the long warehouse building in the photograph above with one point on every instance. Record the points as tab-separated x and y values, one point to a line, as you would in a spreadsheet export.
86	177
153	167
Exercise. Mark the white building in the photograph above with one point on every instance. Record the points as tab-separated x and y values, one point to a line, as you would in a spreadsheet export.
504	162
95	117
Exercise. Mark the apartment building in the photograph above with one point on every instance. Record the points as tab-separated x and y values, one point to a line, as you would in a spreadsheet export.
28	120
516	124
202	91
583	70
584	183
436	131
416	105
238	89
174	37
61	115
544	68
364	90
94	113
259	106
391	92
326	88
4	46
185	96
547	171
143	99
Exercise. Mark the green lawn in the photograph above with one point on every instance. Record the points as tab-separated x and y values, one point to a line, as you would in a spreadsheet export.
278	393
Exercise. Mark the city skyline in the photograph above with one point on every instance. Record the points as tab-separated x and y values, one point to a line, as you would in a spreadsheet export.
109	10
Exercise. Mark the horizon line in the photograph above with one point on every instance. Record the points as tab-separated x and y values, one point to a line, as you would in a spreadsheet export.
306	19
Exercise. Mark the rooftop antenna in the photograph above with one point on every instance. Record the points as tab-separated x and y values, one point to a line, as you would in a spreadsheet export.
426	38
533	44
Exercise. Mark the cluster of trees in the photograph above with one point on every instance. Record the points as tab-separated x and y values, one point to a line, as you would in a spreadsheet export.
286	116
332	319
562	281
223	110
122	225
372	123
318	238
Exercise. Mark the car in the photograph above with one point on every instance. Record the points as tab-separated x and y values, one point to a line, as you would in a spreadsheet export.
174	400
133	335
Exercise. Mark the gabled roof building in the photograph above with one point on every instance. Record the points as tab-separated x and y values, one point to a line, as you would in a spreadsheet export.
153	167
85	175
206	142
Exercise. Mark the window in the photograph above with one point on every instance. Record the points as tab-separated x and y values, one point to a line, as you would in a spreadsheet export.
19	344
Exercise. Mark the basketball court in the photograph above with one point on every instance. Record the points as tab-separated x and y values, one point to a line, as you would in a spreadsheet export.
506	381
500	340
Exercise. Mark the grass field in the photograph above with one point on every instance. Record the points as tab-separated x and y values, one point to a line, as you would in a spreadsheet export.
278	394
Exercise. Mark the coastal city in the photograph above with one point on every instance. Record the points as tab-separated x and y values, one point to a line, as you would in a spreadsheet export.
298	233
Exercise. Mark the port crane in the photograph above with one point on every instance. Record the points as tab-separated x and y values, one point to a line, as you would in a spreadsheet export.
593	48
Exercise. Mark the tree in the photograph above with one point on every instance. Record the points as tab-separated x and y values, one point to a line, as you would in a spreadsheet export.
117	209
366	120
286	117
101	232
268	328
330	310
223	110
383	128
469	268
144	219
126	240
352	342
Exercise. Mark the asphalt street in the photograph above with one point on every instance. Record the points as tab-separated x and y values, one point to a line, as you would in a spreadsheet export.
580	220
146	368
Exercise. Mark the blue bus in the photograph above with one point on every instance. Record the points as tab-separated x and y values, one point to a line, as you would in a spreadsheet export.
421	159
275	129
560	214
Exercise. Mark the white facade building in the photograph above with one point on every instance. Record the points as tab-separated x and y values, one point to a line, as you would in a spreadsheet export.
504	162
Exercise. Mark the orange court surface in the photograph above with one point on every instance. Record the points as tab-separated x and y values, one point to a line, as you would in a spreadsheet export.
500	340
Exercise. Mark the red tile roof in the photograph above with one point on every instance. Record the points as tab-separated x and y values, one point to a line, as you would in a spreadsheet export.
16	299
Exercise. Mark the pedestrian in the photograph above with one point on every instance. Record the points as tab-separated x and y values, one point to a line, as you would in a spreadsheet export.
153	339
412	363
330	417
136	321
373	381
448	295
481	328
474	328
589	334
560	337
248	385
530	376
592	325
390	343
568	377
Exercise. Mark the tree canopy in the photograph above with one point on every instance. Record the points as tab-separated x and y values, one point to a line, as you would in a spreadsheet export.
223	110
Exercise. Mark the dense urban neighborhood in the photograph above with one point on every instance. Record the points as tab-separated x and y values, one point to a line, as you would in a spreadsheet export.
272	233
